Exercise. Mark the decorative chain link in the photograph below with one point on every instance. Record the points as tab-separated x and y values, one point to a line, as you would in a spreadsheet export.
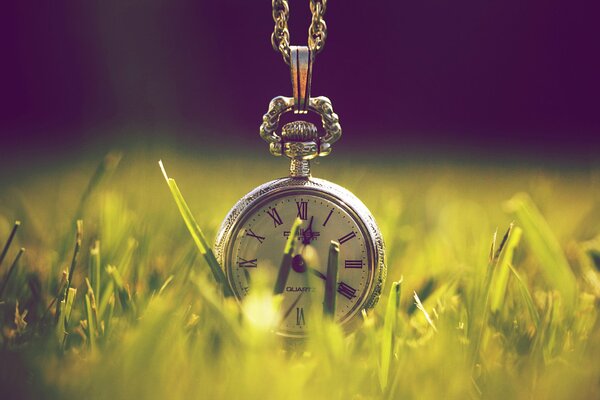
317	32
281	105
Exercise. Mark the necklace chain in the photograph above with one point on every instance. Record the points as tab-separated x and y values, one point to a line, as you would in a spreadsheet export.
317	32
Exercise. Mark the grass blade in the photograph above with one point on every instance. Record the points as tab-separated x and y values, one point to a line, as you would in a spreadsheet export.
95	265
65	309
75	258
105	298
331	281
502	269
108	165
91	325
286	261
535	316
13	232
388	335
197	234
494	288
544	245
10	271
103	171
69	306
109	317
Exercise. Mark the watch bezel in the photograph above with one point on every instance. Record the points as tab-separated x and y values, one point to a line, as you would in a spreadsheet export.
340	196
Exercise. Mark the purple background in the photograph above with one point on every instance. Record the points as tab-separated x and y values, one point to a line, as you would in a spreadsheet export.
491	76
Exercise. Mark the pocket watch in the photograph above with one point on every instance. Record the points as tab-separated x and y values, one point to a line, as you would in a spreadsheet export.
253	235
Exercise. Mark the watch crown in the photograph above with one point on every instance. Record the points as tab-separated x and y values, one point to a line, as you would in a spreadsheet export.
300	143
299	131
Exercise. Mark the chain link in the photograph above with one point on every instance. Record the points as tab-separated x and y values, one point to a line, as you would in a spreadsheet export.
317	32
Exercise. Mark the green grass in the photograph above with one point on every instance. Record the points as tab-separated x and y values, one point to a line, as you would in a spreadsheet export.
125	304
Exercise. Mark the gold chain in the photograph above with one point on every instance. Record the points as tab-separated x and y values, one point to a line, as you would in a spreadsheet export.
317	32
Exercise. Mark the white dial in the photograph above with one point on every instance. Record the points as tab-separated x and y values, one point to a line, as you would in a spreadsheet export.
259	240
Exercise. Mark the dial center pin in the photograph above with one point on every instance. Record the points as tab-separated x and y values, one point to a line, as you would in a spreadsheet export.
298	264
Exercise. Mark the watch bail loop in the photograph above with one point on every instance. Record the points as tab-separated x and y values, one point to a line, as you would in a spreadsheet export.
301	60
320	105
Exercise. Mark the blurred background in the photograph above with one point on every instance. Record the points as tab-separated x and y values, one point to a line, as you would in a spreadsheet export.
465	79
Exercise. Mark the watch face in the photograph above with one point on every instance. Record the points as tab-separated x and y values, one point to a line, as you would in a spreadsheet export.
257	244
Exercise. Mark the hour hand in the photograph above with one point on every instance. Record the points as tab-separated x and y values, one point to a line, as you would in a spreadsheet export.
307	234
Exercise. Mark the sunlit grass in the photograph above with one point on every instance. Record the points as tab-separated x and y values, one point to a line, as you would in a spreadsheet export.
126	303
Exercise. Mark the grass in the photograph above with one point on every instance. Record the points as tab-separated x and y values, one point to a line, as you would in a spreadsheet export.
116	297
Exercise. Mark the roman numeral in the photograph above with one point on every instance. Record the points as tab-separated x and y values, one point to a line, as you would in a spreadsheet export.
276	218
254	235
300	316
347	237
302	209
346	290
353	263
328	216
243	263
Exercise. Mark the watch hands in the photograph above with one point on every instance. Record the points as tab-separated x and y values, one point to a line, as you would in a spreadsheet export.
299	265
307	234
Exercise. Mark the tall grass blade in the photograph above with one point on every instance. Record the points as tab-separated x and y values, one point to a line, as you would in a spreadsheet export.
329	304
64	316
544	245
125	261
93	304
502	269
388	334
95	265
105	297
11	236
103	171
13	266
503	242
91	323
75	259
197	234
69	305
493	247
286	261
533	313
492	291
108	320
